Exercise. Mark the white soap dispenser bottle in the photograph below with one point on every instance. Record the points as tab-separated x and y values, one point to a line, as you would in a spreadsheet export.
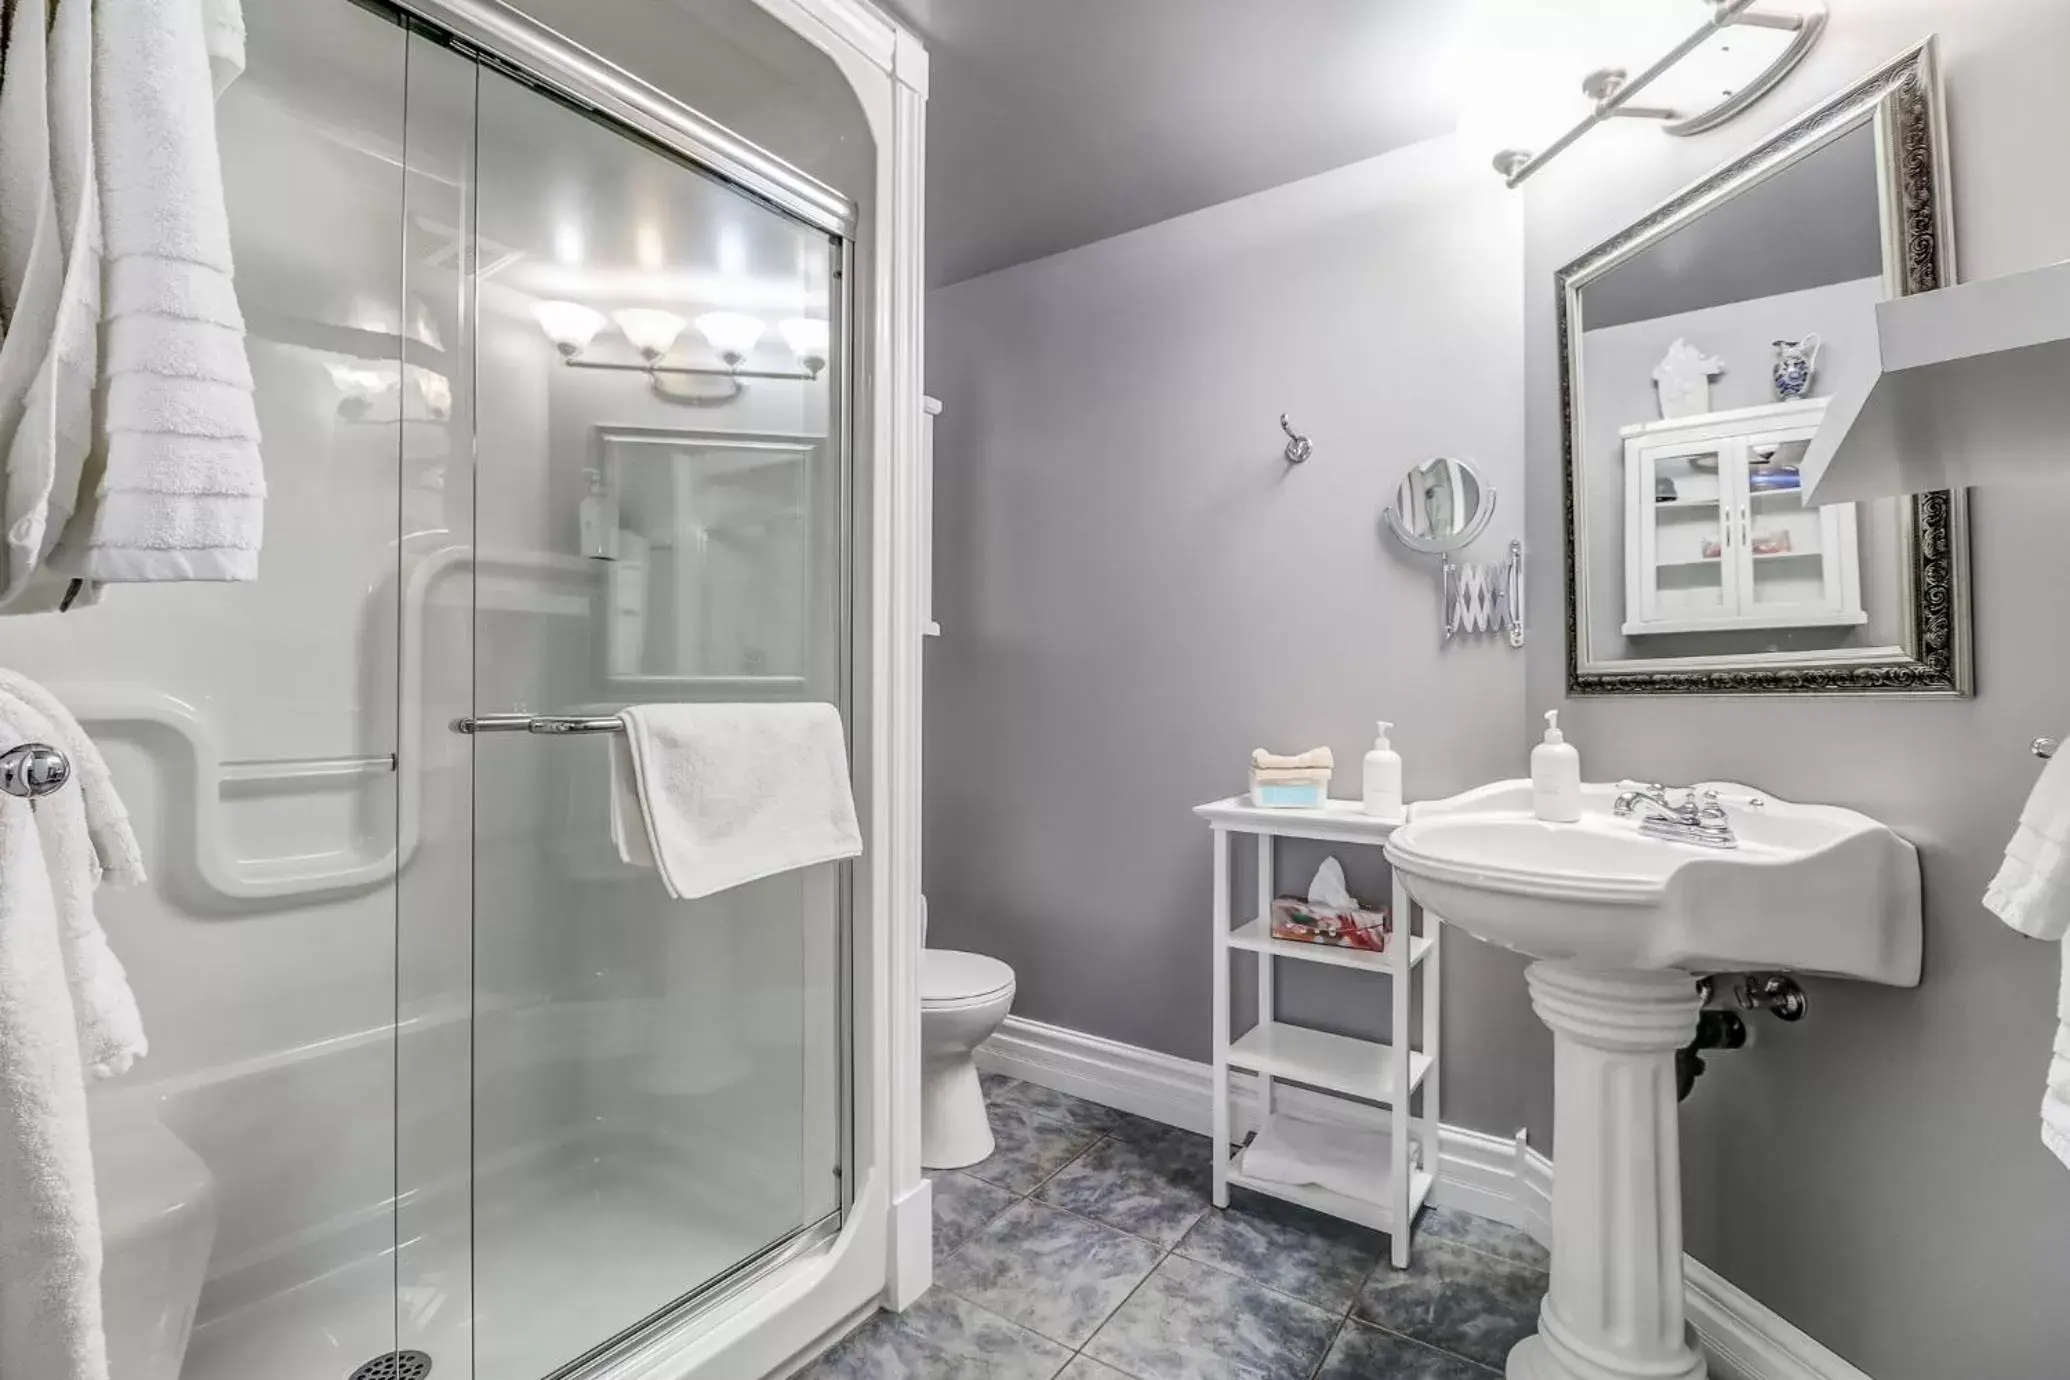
1383	784
1555	775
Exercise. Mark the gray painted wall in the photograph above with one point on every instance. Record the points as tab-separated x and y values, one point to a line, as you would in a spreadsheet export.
1135	590
1874	1174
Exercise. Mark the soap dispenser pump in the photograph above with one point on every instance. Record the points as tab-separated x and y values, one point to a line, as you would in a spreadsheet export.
1383	780
1555	775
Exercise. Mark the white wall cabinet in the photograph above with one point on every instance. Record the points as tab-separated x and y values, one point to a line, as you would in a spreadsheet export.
1717	532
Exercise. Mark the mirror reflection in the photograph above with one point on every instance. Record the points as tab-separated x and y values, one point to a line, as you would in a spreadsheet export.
1440	506
709	541
1707	362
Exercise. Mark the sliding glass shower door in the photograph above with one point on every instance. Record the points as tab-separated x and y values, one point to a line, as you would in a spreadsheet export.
649	507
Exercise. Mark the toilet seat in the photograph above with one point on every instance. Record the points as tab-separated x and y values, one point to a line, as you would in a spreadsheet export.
950	978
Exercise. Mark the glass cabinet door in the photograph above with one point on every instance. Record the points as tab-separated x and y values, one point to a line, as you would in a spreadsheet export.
1680	541
1798	559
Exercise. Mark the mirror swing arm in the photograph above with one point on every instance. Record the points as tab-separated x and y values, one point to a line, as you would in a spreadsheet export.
1486	598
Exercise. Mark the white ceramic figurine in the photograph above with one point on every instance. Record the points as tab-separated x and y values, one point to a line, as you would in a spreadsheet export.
1683	377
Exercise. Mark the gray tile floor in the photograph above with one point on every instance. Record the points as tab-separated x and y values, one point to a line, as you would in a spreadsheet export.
1085	1248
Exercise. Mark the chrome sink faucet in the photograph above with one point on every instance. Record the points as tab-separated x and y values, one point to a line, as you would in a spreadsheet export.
1692	819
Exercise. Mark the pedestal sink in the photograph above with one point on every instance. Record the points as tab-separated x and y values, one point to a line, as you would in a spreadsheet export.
1619	923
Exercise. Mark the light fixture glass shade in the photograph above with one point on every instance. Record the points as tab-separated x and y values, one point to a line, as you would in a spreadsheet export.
733	334
807	336
650	329
569	325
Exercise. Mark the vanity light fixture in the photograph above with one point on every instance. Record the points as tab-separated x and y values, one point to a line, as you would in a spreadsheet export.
651	330
807	337
569	325
1612	91
733	334
573	327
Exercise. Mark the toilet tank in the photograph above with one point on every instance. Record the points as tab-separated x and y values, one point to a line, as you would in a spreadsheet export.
158	1222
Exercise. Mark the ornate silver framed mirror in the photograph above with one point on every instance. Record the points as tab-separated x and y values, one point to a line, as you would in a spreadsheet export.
1697	350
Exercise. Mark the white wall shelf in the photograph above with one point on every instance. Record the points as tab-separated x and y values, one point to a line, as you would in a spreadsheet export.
1969	391
1395	1073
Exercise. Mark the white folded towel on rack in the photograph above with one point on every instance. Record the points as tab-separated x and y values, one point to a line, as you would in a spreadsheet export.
1351	1160
2032	894
177	370
50	1231
111	1031
730	793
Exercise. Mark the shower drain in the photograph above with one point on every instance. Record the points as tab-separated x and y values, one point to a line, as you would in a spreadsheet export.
395	1365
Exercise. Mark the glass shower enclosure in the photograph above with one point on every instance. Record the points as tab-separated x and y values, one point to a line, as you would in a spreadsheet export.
555	416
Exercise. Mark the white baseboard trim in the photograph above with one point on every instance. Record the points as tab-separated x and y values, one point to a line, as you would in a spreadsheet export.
1492	1176
910	1269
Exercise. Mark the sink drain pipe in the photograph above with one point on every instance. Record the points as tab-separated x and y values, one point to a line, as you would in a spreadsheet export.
1776	993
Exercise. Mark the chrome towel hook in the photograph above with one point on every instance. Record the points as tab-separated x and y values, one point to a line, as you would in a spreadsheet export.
1299	447
31	771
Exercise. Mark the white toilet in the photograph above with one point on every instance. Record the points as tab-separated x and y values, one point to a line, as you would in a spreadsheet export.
963	998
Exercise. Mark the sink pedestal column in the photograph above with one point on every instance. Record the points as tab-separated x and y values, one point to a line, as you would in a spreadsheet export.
1615	1308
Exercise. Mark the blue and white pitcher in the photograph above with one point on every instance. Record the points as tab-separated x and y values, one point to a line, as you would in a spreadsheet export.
1795	362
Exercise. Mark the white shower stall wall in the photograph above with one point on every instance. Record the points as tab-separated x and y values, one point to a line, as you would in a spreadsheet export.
453	1078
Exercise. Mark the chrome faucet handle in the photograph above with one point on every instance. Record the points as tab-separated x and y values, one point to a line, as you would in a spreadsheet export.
1635	791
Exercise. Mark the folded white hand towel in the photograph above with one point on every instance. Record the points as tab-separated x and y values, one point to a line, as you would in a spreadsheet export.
2032	889
730	793
50	1230
177	368
111	1031
1351	1160
1272	761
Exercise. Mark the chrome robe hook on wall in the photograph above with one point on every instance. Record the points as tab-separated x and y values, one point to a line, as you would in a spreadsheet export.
1299	447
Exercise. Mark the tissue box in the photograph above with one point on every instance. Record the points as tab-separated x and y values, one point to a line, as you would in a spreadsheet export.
1296	918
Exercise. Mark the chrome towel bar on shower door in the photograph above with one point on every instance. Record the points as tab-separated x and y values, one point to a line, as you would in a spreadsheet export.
543	723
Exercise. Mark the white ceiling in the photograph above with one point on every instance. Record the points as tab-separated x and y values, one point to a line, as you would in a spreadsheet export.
1054	123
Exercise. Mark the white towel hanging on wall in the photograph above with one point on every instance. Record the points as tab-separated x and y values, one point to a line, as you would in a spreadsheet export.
2031	893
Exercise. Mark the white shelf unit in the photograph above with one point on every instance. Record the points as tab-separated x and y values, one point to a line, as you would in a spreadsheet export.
1693	563
1392	1074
